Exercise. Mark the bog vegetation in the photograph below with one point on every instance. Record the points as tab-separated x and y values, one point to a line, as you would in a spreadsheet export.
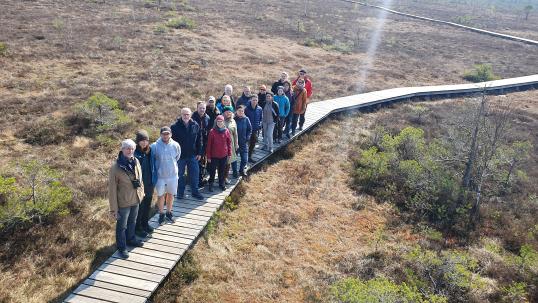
34	193
453	181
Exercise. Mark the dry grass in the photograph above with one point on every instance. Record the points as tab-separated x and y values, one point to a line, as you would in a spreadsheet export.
294	230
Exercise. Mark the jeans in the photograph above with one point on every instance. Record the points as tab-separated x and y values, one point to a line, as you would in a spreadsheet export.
268	135
252	143
280	127
294	121
125	226
288	120
145	206
220	164
243	153
301	120
192	173
202	168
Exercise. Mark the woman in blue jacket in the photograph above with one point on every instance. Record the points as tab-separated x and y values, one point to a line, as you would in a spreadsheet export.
283	111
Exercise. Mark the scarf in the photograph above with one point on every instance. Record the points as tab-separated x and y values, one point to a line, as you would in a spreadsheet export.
128	165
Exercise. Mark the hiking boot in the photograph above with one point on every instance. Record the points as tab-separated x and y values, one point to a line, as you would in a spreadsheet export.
123	254
135	243
141	233
148	229
198	196
161	219
170	217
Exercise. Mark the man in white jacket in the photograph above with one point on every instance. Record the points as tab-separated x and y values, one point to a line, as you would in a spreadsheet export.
166	153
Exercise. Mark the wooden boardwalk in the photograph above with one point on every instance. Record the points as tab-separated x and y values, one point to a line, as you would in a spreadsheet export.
135	279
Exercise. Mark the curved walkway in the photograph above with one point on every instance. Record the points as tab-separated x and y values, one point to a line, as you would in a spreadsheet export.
135	279
474	29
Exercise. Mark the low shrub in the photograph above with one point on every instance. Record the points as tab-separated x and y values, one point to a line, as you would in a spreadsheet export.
3	49
481	73
99	114
45	132
34	197
351	290
181	22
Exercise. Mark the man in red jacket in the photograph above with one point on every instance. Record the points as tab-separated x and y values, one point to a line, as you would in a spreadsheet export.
308	86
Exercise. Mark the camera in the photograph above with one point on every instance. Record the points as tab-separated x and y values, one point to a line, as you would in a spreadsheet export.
136	183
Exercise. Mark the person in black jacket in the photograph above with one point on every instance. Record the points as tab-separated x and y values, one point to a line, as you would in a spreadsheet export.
283	78
143	154
212	111
200	117
261	95
187	133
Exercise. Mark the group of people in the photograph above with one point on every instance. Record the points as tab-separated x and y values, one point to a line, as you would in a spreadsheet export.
221	134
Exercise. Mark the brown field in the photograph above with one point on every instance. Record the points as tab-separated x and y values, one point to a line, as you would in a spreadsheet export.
506	17
61	52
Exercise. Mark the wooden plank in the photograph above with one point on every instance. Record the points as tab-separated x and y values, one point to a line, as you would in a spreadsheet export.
138	266
154	253
202	205
124	280
72	298
187	221
166	235
151	245
181	213
119	288
179	224
184	231
106	294
195	209
148	260
169	243
129	272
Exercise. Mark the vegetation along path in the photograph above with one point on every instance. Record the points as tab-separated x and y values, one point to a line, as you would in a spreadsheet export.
137	278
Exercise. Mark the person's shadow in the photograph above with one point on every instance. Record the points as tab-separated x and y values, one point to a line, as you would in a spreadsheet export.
100	256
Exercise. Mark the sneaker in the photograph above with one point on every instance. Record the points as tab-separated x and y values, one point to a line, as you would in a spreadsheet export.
243	174
198	196
170	217
123	254
135	243
148	229
161	219
141	233
223	187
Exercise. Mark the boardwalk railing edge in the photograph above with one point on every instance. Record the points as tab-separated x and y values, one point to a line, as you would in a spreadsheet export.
137	278
453	24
